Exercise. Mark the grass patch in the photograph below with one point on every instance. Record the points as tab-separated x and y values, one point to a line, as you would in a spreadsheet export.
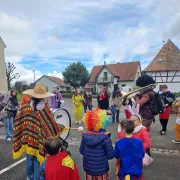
19	96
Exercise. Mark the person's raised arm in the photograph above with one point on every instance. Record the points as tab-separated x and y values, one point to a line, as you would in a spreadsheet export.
143	100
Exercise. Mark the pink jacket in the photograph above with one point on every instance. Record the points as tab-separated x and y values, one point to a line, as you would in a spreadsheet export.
141	133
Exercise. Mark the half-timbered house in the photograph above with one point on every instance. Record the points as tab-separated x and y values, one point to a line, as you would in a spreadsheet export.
165	67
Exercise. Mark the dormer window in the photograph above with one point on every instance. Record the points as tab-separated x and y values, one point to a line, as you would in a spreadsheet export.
160	59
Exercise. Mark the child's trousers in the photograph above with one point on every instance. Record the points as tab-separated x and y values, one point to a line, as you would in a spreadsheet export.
103	177
177	131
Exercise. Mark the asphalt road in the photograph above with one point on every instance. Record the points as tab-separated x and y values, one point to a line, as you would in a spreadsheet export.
165	166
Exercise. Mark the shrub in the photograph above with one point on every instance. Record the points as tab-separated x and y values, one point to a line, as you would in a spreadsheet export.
19	96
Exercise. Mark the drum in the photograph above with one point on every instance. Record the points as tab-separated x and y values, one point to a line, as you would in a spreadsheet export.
62	116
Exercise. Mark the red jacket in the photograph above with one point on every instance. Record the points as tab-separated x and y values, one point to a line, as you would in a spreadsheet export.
61	167
141	134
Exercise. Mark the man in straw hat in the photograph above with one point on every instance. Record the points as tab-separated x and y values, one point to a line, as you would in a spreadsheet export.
33	124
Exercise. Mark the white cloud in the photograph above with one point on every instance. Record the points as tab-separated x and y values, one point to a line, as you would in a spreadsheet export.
82	29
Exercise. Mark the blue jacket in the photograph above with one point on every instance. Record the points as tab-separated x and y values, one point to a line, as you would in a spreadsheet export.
96	150
131	153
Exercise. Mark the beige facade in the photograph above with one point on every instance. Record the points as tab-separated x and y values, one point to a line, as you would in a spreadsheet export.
3	77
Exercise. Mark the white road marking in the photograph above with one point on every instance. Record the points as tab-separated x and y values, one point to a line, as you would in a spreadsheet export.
11	166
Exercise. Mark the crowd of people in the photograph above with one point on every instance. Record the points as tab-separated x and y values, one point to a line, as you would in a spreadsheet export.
35	132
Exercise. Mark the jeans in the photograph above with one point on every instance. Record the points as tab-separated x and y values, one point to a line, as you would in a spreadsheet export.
59	104
9	126
32	167
87	106
115	114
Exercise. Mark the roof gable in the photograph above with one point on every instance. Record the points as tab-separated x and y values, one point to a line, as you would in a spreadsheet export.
170	56
126	71
2	42
56	80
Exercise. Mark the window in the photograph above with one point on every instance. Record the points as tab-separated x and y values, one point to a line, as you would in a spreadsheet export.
160	59
123	85
105	76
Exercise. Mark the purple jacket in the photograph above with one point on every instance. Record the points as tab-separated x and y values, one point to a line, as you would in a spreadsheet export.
96	149
55	100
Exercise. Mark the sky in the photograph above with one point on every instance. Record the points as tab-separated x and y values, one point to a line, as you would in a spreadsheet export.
46	36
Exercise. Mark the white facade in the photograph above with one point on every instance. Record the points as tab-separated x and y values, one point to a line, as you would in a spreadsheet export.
111	80
49	84
171	79
3	77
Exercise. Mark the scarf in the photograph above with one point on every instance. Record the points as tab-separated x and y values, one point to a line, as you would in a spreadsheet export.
32	128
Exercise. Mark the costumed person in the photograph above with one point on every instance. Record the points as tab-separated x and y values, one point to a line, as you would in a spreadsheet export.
140	132
96	146
56	100
130	152
115	101
168	99
34	123
59	165
25	100
103	98
146	100
130	102
176	106
78	104
14	101
87	101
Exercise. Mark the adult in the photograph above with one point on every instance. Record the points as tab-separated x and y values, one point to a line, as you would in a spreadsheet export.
33	124
168	99
130	102
78	103
103	98
56	100
146	100
11	110
87	100
115	101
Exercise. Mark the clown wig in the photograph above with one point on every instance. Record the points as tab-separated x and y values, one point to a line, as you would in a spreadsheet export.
96	119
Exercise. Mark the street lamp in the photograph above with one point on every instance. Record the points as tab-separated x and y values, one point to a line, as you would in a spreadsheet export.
34	75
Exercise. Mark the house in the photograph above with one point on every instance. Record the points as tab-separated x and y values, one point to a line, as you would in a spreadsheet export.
3	77
165	67
123	74
51	81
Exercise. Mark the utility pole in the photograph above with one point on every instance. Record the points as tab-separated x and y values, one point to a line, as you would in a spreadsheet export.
34	75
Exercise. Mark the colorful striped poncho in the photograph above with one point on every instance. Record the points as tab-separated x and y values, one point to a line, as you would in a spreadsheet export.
31	129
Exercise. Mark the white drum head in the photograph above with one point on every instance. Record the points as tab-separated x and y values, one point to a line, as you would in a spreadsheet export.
62	116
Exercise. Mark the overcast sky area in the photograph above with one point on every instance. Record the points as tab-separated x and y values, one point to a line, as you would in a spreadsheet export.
48	35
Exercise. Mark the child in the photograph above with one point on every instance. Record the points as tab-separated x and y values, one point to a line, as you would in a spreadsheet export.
139	132
96	146
176	106
59	165
130	151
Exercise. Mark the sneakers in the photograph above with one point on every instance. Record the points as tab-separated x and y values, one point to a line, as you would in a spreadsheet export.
163	133
76	122
8	139
175	141
80	122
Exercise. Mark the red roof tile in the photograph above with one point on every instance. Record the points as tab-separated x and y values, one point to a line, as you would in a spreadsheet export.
126	71
170	55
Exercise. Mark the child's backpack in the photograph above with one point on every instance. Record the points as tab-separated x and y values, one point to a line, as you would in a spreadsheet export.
157	107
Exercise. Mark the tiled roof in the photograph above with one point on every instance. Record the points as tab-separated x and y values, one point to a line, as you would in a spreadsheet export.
58	81
125	71
170	55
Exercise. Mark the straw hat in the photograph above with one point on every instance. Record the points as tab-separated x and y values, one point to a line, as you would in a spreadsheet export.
39	92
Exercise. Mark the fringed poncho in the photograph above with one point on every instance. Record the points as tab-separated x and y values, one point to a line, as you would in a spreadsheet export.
31	129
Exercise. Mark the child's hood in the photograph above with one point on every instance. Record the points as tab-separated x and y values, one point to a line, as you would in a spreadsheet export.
94	139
